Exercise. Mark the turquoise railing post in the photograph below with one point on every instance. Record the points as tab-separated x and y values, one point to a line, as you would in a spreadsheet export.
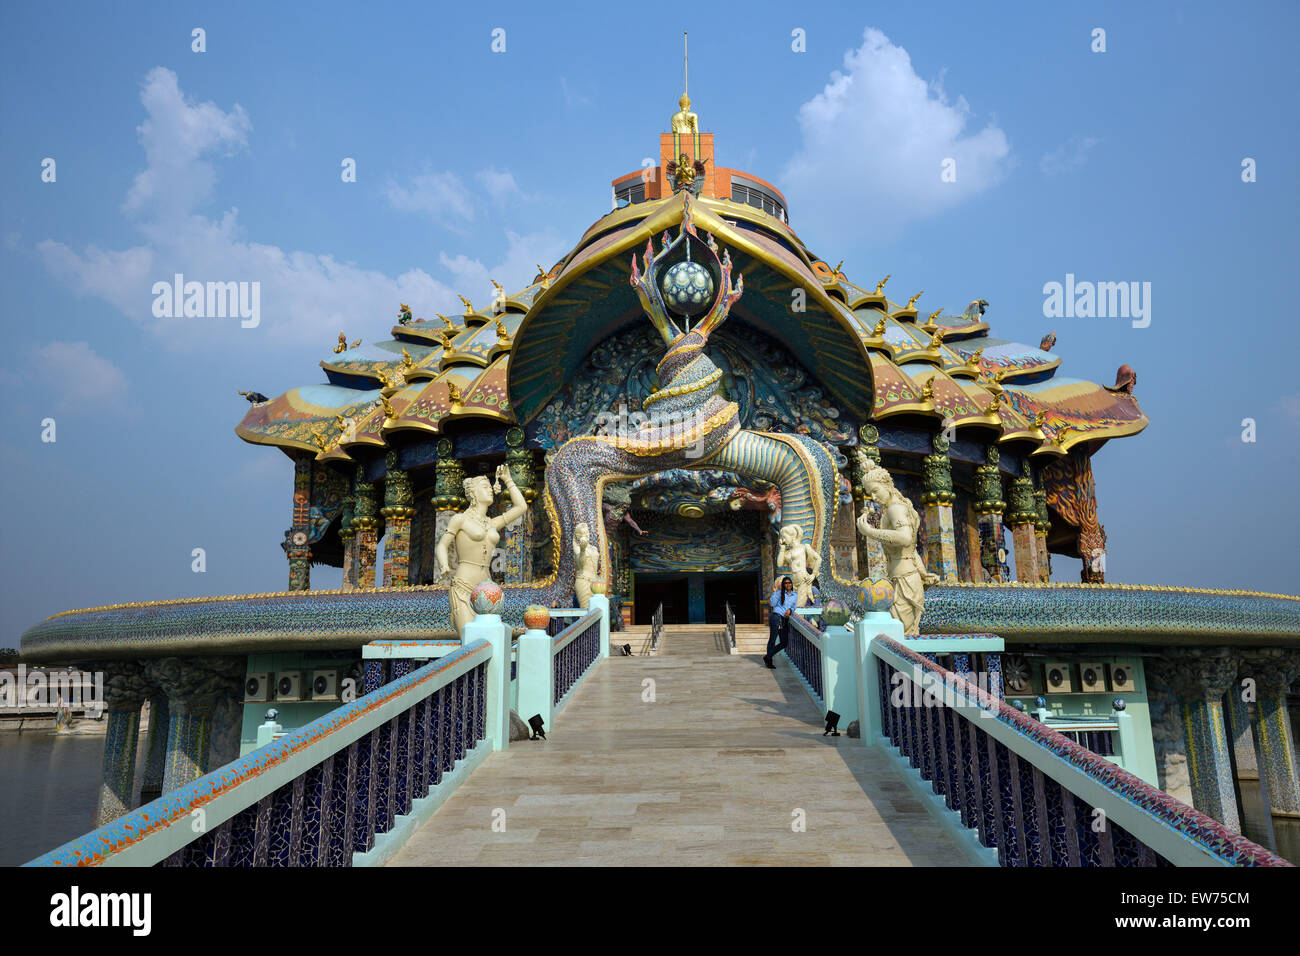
840	678
535	677
601	603
490	628
870	704
266	731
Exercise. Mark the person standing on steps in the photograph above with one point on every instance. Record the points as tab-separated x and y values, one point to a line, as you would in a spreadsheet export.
783	602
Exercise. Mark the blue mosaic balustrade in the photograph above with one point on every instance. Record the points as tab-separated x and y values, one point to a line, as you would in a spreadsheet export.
330	810
1031	819
574	650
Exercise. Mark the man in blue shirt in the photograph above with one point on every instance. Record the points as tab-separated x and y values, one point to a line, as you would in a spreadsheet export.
783	602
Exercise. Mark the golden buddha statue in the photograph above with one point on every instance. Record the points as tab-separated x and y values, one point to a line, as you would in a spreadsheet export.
684	121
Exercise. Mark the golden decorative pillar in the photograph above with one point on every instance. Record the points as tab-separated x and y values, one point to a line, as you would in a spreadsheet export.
397	513
871	553
937	496
989	507
366	523
1023	515
448	493
1042	525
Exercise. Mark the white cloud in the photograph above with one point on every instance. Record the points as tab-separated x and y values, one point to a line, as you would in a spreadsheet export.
81	378
305	296
500	184
1071	155
1290	405
440	196
875	141
175	135
525	253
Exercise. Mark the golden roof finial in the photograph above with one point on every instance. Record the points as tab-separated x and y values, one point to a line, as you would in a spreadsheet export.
880	286
319	438
933	315
389	411
927	390
912	301
343	344
469	308
684	121
546	277
445	321
974	360
453	393
406	359
836	270
879	330
937	340
994	405
445	337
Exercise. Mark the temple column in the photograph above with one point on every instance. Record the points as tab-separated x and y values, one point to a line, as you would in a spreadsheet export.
155	754
518	537
1241	732
989	506
295	543
348	535
194	689
124	692
1042	525
1022	513
397	512
1200	677
448	494
871	553
1274	671
366	523
937	495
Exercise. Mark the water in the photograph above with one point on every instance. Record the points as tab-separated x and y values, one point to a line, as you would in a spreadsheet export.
49	789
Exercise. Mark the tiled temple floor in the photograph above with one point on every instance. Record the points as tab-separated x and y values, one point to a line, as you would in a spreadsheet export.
711	772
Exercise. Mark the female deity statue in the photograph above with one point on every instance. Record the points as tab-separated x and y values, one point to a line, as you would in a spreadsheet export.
897	532
587	560
475	536
802	559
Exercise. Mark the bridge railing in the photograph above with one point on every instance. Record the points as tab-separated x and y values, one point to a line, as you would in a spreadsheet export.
656	627
345	789
806	650
1019	793
551	666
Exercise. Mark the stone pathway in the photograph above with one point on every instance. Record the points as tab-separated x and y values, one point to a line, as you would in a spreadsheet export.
717	770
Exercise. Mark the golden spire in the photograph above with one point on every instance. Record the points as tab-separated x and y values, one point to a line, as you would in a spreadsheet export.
684	121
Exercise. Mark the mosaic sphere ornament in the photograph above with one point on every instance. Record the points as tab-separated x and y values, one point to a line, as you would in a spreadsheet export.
834	613
536	617
877	596
598	586
487	598
688	288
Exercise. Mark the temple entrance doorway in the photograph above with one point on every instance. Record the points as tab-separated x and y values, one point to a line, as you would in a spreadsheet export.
697	598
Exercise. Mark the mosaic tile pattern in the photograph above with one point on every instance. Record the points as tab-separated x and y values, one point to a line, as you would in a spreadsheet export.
278	829
1015	803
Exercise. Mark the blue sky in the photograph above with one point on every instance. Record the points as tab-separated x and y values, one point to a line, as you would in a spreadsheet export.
1115	166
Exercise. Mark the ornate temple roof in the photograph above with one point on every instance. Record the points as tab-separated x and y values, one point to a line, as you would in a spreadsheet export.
503	361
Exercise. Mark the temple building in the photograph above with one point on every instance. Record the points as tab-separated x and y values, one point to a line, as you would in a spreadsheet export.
990	443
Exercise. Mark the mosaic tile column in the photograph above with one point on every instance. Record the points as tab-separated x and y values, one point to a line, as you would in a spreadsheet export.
397	512
1274	672
1240	730
155	754
517	539
871	553
448	495
1200	677
1042	525
348	535
194	687
296	546
366	522
1022	514
937	496
989	506
125	688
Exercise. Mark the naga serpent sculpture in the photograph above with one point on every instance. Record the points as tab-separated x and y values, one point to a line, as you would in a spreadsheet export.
692	425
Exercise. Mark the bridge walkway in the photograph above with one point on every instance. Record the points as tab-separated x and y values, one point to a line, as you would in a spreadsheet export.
712	771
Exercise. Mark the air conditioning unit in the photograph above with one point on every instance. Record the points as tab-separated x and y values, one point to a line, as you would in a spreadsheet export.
325	684
288	685
257	687
1092	678
1056	678
1121	679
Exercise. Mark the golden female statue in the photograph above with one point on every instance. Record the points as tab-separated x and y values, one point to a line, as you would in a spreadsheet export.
899	524
587	559
475	536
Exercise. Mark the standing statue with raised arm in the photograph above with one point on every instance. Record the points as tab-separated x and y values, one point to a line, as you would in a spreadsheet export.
897	532
475	536
802	559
